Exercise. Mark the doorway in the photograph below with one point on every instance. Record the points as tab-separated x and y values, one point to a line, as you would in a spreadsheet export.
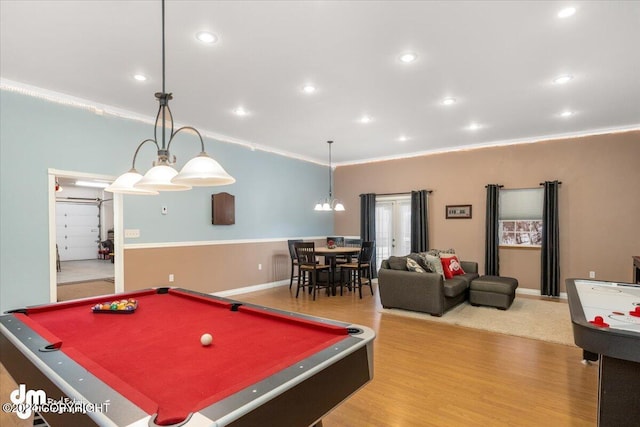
83	222
393	227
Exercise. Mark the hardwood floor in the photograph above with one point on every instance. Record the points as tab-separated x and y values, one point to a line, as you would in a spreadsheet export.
432	374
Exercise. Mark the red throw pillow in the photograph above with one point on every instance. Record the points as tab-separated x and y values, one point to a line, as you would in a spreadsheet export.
451	267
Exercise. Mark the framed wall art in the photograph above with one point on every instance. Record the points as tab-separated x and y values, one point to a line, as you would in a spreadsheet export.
458	211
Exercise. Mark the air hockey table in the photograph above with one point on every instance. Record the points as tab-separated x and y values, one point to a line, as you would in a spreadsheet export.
606	322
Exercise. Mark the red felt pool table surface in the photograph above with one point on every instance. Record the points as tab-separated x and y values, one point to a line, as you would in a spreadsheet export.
154	356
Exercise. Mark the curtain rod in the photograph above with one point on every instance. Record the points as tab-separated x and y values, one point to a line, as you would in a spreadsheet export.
406	193
518	188
559	182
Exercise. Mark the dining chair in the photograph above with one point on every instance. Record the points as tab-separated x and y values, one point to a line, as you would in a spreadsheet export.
351	243
294	260
306	255
361	271
339	242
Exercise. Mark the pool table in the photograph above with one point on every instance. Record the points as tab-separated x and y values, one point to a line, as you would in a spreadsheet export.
148	366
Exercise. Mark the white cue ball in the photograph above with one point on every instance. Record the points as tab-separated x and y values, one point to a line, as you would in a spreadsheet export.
206	339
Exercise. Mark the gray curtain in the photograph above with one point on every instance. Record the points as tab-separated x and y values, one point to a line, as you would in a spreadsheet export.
419	221
550	262
368	223
492	240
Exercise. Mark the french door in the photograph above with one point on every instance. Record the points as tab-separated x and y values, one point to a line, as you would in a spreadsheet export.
393	227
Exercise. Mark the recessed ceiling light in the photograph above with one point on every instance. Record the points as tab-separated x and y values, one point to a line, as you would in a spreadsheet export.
474	126
408	57
240	111
365	119
565	78
207	37
403	138
140	77
567	12
309	88
449	101
567	113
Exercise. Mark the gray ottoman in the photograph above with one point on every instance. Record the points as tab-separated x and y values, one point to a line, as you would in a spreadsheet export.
493	291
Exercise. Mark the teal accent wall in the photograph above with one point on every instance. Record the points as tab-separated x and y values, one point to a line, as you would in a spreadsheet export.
273	198
274	194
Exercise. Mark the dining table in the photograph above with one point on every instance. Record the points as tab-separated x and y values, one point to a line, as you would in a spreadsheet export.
331	254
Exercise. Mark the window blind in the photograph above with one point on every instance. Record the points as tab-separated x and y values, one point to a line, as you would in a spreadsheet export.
517	204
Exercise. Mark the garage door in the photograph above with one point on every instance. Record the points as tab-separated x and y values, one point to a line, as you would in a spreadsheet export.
77	231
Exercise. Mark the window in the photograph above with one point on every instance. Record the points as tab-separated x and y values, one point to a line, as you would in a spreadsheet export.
393	227
520	217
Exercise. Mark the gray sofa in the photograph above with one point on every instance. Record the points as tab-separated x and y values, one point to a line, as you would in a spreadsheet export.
425	292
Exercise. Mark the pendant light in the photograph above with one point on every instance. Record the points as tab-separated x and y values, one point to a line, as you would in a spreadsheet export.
200	171
329	204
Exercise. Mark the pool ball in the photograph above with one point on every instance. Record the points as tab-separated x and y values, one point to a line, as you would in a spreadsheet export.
206	339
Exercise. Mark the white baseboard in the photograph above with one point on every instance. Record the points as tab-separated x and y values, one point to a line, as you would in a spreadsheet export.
253	288
264	286
525	291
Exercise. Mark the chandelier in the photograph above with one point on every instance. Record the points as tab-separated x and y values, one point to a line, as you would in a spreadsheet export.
200	171
329	204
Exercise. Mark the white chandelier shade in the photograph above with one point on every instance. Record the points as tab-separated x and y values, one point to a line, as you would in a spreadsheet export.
159	177
329	205
202	171
124	184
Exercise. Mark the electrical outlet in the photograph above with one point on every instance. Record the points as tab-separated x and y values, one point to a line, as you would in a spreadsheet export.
171	278
592	275
164	210
259	266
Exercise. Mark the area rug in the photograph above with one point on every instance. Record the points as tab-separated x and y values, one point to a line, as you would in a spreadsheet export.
542	320
85	289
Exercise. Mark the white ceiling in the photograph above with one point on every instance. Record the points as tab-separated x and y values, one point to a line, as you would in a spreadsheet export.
498	59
